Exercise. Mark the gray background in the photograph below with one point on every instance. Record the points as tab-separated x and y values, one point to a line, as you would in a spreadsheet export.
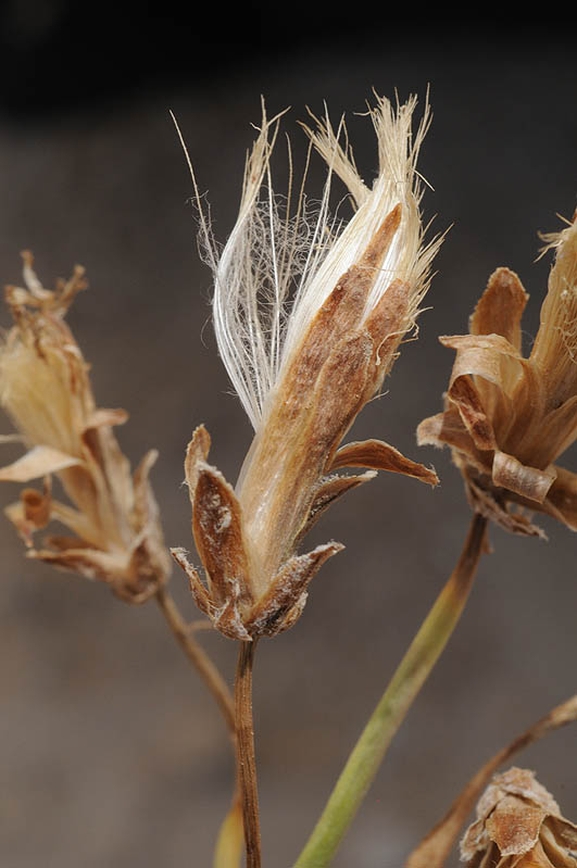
111	754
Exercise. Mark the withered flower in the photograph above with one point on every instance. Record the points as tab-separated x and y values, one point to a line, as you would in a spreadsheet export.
309	315
508	418
45	390
519	825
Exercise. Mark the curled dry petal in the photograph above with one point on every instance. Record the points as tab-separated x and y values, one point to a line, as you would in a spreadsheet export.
381	456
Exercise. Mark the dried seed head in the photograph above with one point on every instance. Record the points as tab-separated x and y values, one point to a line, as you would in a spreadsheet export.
519	824
508	418
279	265
309	315
45	390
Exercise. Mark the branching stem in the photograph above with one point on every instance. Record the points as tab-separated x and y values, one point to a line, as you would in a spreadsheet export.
198	657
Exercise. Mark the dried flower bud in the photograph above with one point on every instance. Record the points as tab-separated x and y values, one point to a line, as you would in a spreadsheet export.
519	825
45	390
309	315
508	418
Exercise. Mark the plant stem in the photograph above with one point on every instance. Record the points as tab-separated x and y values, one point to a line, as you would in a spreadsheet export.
246	761
368	753
228	850
198	657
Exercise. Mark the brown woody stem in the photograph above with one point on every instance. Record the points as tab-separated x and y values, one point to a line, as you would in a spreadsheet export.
245	754
198	657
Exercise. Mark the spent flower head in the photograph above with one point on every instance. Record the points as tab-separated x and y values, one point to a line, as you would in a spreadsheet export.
519	825
45	390
508	418
309	314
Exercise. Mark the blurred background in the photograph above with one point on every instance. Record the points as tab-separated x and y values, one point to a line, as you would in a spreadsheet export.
111	752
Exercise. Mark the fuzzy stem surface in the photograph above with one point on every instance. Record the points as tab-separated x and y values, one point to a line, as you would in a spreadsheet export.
369	751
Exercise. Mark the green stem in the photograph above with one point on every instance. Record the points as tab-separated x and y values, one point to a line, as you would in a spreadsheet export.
368	753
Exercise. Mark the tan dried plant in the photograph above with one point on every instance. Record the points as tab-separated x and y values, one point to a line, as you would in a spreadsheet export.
115	532
508	418
519	825
309	315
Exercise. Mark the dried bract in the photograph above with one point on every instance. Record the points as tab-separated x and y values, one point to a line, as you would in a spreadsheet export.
309	315
45	390
519	825
508	418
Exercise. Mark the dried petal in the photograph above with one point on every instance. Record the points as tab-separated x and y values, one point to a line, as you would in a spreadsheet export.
30	513
561	500
500	308
528	482
219	537
40	461
196	455
199	592
269	614
330	489
381	456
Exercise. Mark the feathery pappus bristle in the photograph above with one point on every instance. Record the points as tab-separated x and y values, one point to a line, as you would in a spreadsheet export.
285	254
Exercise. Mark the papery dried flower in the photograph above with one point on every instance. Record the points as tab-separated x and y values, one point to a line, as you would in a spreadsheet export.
309	315
519	825
508	418
45	390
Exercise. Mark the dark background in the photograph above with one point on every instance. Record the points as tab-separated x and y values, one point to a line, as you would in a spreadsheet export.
111	754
